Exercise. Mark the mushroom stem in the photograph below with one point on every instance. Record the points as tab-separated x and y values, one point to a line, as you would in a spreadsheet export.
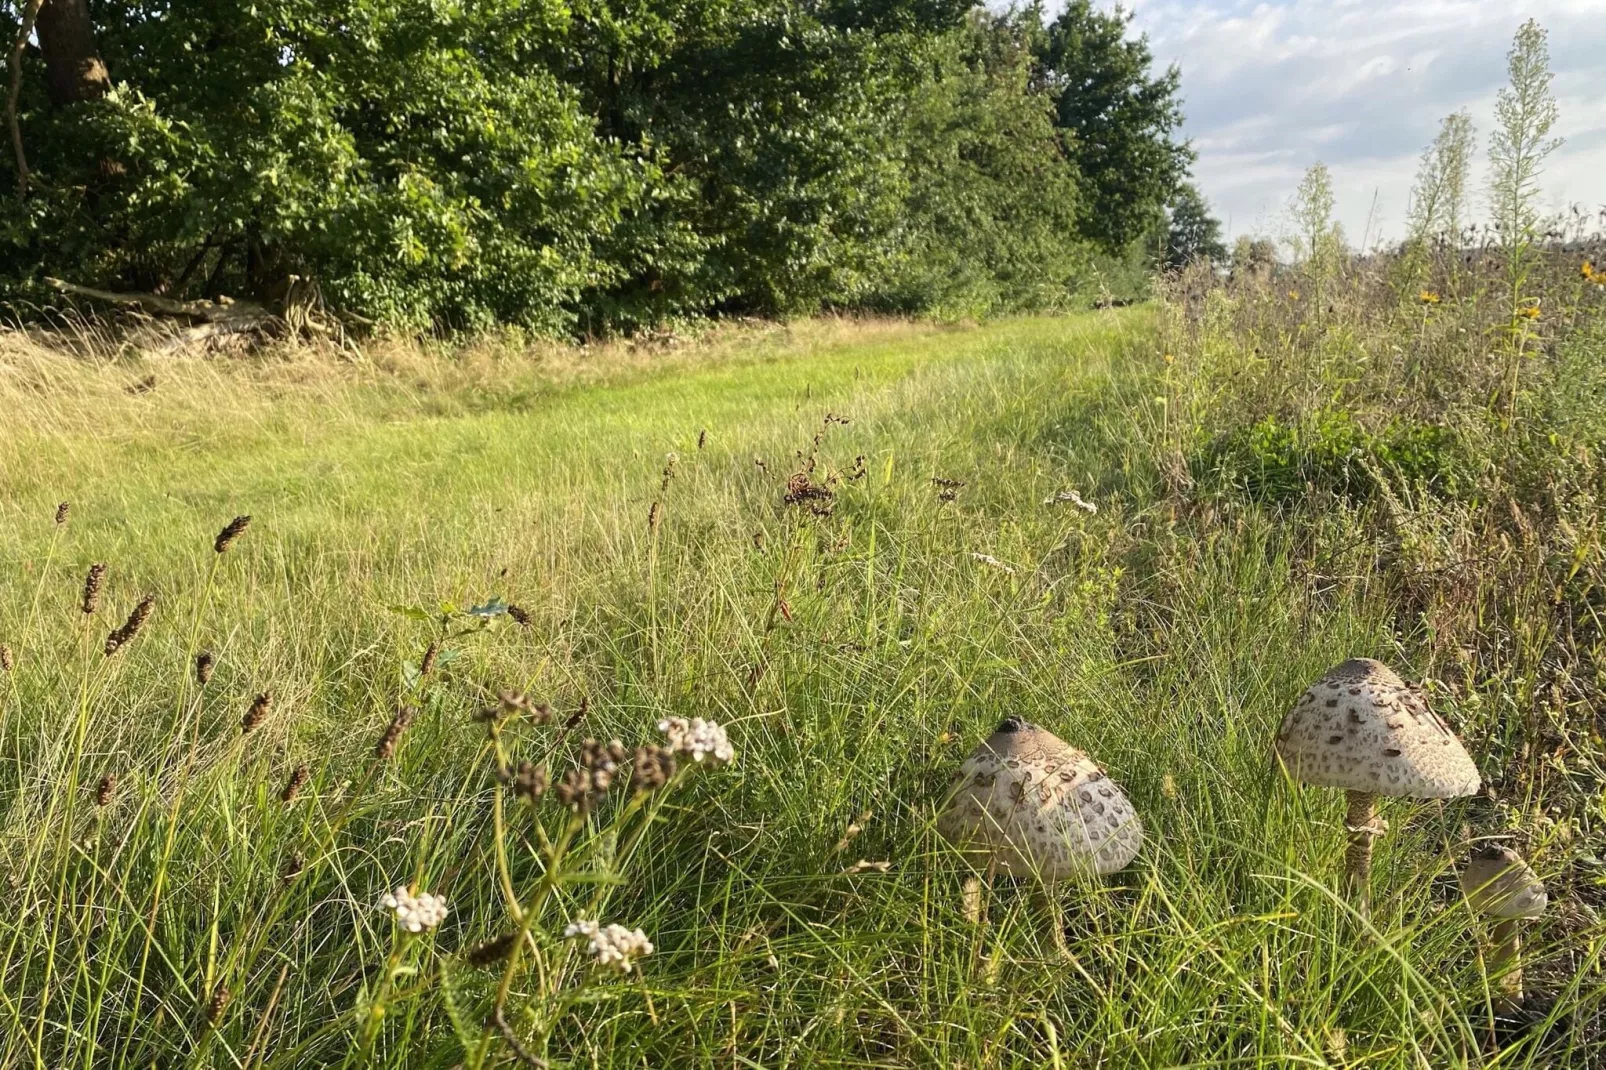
1506	964
1361	822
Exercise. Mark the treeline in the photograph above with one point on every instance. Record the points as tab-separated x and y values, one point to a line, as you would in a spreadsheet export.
588	166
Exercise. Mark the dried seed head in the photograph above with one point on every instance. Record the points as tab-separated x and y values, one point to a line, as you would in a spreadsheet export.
105	790
652	768
426	665
520	615
702	438
61	512
204	663
92	582
293	786
511	702
530	781
653	516
386	748
7	659
130	628
493	951
231	531
217	1006
261	706
578	715
292	867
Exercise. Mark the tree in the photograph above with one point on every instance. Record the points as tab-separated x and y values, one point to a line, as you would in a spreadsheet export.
1317	240
1123	118
1525	111
73	67
1192	233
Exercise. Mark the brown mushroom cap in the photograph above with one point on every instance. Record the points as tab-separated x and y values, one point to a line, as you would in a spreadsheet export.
1038	807
1499	883
1361	728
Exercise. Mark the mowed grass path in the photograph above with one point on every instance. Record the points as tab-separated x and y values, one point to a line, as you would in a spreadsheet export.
854	656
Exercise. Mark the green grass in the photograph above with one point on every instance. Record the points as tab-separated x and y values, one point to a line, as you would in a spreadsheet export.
854	657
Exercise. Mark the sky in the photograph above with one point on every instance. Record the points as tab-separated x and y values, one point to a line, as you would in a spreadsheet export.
1270	88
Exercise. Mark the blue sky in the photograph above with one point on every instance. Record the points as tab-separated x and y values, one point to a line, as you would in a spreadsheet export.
1361	85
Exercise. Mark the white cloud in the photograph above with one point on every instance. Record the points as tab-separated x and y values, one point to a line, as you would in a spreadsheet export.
1361	85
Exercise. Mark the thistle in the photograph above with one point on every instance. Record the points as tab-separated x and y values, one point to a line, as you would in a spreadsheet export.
261	706
92	582
231	531
204	661
105	790
130	628
293	786
386	748
61	512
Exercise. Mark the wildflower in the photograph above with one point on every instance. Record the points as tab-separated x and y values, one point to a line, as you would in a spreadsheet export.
105	790
92	582
1586	269
1293	295
64	508
492	950
415	913
386	747
1169	359
427	663
652	768
204	661
520	616
231	531
613	947
1529	312
7	658
992	562
130	628
261	706
293	786
698	738
1428	297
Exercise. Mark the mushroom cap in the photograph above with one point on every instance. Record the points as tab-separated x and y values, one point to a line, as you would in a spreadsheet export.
1499	883
1039	807
1361	728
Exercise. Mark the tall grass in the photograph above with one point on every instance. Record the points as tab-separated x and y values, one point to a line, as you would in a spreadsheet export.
855	642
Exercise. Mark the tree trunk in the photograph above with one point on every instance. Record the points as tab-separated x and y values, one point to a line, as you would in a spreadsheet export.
73	66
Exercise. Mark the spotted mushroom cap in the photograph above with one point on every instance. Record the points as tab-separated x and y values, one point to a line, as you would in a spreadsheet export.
1499	883
1038	807
1361	728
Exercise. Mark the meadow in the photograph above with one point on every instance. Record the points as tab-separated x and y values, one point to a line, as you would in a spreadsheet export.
856	546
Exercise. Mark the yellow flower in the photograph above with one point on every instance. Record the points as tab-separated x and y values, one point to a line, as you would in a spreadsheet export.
1587	271
1169	359
1428	297
1529	312
1293	295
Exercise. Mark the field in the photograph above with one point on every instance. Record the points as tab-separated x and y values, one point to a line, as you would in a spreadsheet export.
931	573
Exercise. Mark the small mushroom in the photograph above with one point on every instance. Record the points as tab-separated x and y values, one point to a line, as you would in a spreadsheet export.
1027	804
1497	882
1362	729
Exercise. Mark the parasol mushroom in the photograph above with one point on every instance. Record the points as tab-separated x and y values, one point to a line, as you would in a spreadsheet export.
1362	729
1497	882
1025	803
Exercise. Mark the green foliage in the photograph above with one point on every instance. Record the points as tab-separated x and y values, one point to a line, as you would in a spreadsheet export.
1192	233
593	167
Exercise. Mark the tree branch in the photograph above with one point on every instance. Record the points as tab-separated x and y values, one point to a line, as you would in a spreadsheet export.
29	16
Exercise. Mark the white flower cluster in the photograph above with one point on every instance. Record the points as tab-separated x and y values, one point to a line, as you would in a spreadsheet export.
613	947
702	740
415	913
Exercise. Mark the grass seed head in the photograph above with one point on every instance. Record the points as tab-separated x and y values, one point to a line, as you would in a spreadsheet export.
386	749
205	661
427	664
92	584
105	790
217	1006
578	715
702	436
653	516
292	867
261	706
130	627
61	512
520	615
8	660
293	786
231	531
